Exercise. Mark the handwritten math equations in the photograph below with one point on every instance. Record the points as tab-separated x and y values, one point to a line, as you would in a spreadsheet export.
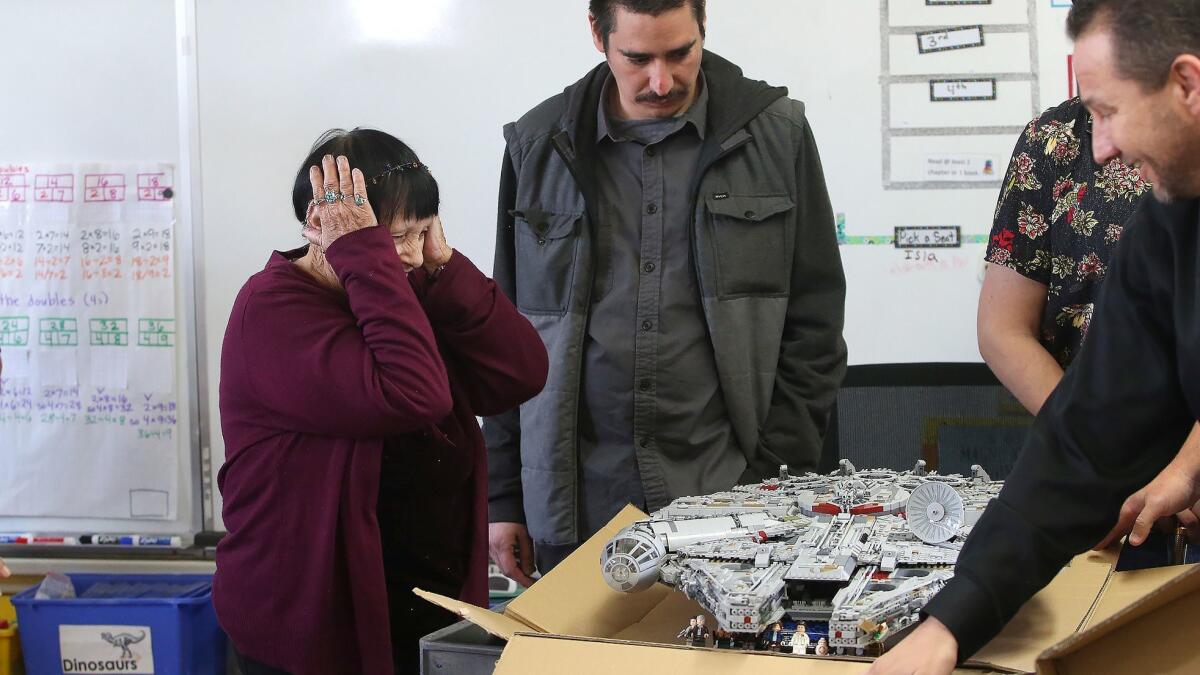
88	396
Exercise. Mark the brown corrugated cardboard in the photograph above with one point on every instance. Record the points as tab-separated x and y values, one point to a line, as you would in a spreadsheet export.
571	621
576	601
500	625
663	623
1125	588
545	655
1051	616
573	599
1156	633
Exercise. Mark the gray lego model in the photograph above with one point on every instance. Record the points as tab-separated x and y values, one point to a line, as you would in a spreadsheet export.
863	550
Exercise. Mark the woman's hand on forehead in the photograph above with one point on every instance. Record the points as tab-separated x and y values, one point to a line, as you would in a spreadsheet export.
339	204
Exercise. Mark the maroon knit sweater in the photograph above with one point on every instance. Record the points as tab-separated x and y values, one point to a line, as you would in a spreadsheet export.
312	383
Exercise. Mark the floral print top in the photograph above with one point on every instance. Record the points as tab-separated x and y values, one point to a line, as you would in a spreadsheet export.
1059	218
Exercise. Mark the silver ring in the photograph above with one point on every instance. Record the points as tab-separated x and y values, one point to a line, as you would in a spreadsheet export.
359	200
331	196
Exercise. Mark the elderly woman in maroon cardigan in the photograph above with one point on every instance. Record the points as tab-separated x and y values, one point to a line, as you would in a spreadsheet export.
351	376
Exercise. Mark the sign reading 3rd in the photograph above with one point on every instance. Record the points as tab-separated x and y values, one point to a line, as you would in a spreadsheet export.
156	332
965	37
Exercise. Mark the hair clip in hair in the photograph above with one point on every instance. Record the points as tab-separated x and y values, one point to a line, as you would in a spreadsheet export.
389	168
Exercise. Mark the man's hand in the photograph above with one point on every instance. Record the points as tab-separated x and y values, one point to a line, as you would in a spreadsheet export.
512	549
1173	491
1190	520
930	650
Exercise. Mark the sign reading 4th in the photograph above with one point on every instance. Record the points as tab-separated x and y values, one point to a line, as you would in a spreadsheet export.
156	332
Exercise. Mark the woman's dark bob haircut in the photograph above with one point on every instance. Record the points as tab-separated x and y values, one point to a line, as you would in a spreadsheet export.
410	195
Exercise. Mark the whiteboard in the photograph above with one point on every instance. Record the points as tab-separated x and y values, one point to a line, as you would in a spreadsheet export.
91	82
445	75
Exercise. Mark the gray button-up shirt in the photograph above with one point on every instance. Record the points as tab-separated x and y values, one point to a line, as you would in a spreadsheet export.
650	389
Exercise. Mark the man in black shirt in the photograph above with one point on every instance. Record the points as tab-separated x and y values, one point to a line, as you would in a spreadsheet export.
1114	425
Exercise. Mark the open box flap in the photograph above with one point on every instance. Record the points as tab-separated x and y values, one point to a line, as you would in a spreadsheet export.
1125	588
1153	634
573	598
1055	613
501	626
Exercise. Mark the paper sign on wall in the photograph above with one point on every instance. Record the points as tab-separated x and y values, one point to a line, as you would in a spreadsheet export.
961	167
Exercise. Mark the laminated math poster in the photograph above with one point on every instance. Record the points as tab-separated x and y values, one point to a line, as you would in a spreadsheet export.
88	337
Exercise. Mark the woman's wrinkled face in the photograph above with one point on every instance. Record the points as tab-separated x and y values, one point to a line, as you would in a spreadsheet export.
409	238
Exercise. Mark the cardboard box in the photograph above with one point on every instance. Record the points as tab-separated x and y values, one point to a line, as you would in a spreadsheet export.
1144	622
571	621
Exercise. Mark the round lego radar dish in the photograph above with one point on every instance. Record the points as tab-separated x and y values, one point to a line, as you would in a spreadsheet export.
935	512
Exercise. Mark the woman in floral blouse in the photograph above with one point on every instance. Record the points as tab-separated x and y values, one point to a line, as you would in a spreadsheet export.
1061	211
1058	220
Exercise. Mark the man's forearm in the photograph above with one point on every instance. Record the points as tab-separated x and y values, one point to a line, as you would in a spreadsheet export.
1188	458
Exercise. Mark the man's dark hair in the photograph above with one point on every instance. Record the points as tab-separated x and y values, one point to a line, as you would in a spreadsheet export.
605	12
1147	35
411	193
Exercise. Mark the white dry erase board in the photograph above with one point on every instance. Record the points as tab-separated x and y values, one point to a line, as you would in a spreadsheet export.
98	429
915	104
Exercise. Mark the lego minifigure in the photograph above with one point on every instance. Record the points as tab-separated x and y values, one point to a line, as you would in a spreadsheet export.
701	633
686	633
800	640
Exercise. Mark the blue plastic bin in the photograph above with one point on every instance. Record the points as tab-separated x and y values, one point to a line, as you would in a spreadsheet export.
106	623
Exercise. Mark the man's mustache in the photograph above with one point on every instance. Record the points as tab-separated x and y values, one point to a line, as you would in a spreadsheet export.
673	95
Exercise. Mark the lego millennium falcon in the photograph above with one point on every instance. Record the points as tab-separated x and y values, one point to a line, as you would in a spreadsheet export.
861	550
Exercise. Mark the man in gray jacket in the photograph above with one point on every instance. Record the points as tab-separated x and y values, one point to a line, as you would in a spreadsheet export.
664	224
